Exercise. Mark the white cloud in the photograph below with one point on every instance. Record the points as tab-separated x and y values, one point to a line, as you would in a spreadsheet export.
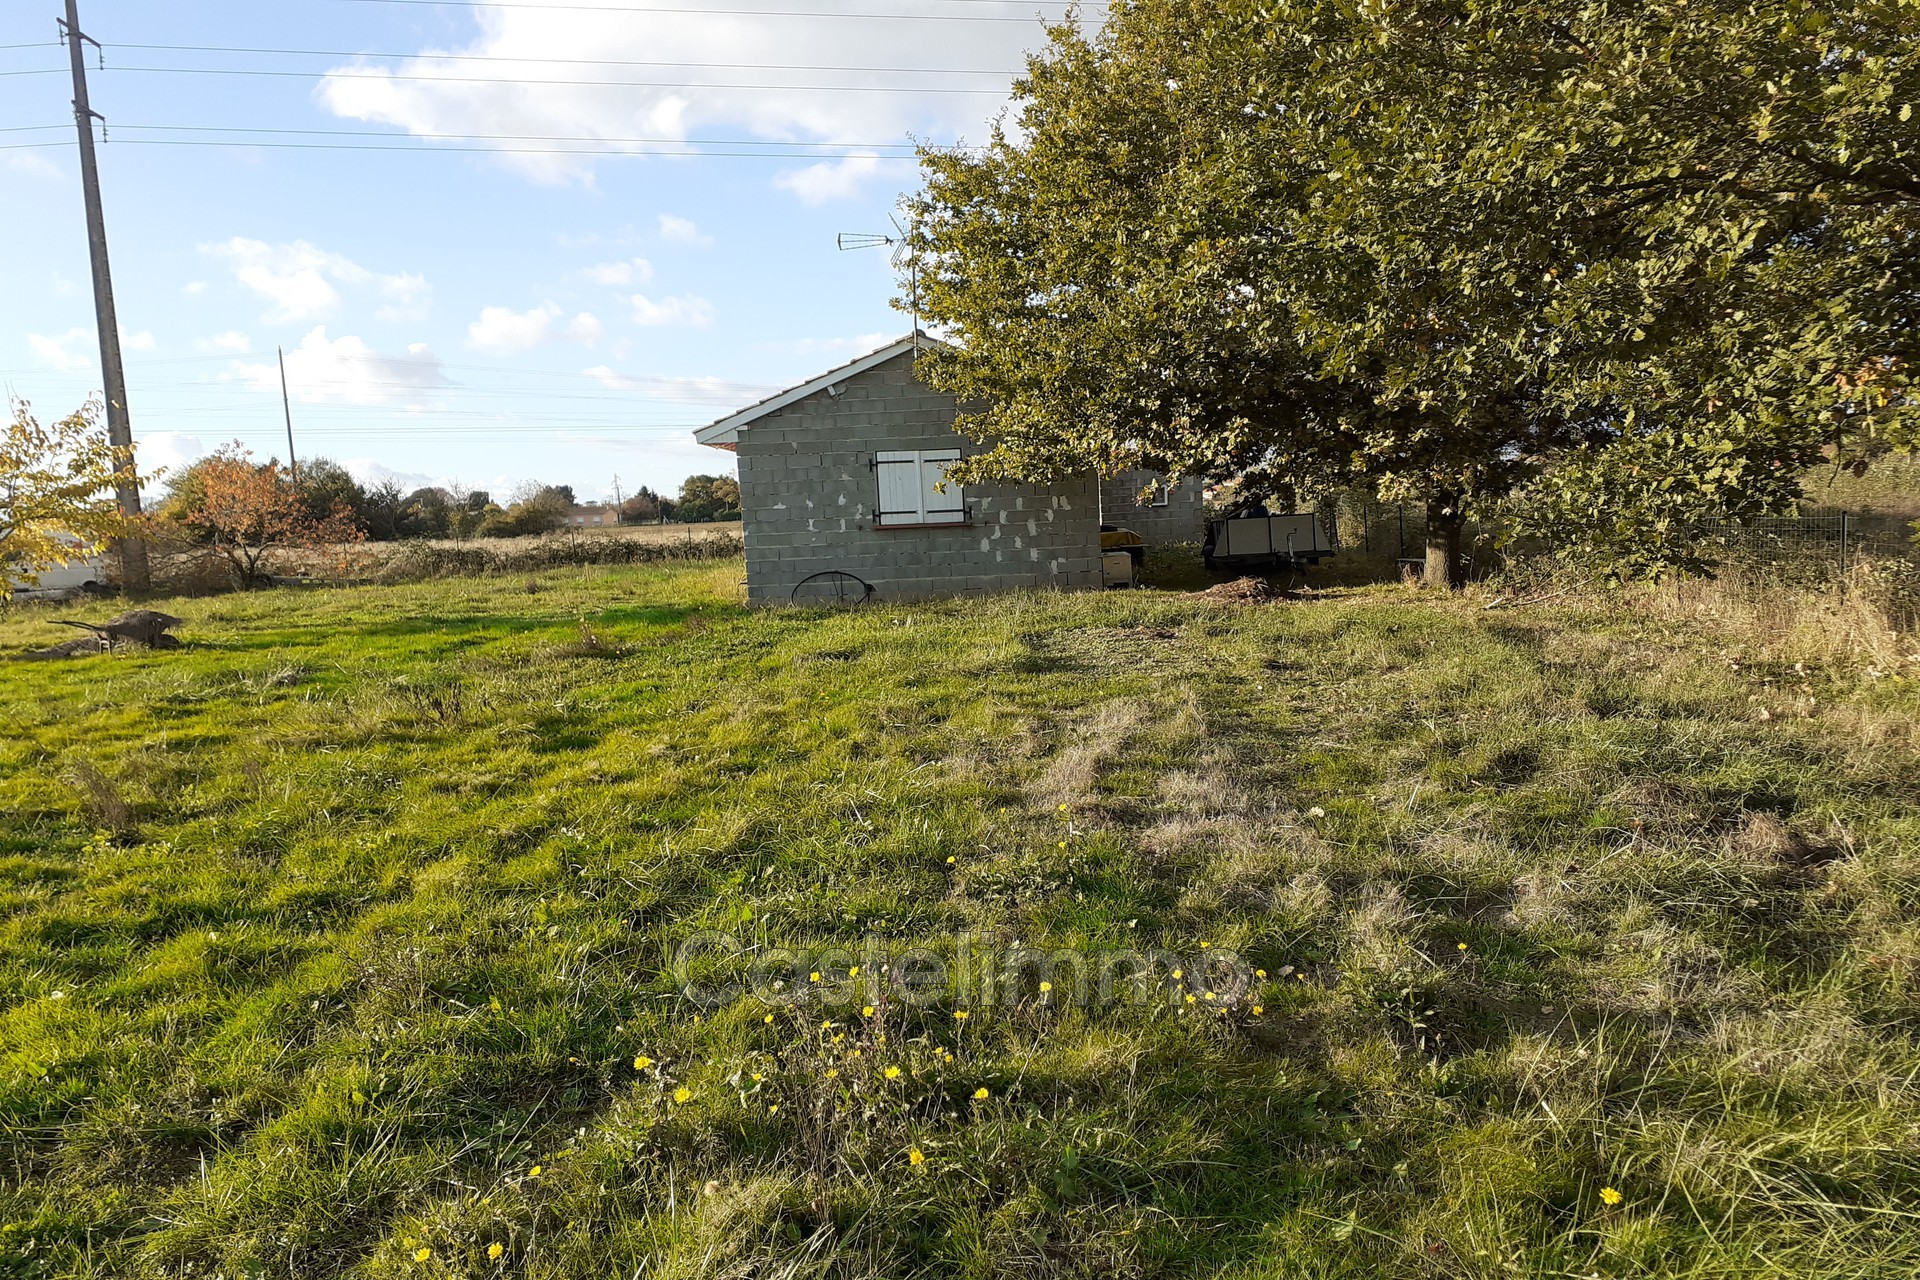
371	473
68	352
585	329
689	312
194	288
842	179
683	231
141	341
321	369
299	280
232	342
31	163
702	391
168	451
952	80
503	331
632	271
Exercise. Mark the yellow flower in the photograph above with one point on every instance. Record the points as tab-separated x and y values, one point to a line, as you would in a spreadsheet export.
814	976
833	1073
1178	973
1189	999
1045	987
949	859
1205	945
1258	1010
916	1156
980	1095
683	1094
1610	1197
1461	945
854	972
773	1108
891	1073
1259	973
1209	995
1063	844
867	1012
768	1019
642	1062
1063	808
535	1172
423	1255
959	1015
495	1249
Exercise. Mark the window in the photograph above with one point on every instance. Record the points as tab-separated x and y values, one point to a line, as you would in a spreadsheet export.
1162	493
910	488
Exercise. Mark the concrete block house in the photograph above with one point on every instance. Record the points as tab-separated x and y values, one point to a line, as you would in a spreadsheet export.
842	489
1159	510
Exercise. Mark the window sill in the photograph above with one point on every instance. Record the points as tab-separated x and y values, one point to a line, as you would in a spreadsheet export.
939	524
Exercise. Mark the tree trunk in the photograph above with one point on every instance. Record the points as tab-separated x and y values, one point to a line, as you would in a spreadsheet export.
1445	568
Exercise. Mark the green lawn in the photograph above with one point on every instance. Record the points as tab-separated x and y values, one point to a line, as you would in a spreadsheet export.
321	934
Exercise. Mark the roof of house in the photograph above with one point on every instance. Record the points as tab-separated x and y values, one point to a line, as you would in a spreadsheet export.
725	434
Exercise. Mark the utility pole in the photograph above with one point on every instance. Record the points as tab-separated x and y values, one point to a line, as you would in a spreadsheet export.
286	407
617	503
126	479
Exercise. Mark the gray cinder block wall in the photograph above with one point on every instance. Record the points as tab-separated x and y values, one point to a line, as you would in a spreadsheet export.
808	491
1183	519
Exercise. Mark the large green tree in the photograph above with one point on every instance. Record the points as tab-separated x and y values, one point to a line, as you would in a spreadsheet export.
1605	266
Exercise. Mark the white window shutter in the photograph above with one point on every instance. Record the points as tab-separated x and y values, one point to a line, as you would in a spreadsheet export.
899	488
949	507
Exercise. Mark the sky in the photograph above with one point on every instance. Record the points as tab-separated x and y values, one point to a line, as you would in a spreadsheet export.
500	244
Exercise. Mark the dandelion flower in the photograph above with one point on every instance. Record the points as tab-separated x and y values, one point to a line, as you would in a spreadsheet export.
833	1073
1179	973
980	1095
1189	999
916	1156
1045	987
891	1073
768	1019
1461	945
867	1012
422	1255
1258	1010
1610	1197
1210	996
535	1172
950	860
814	976
494	1251
642	1062
1063	808
773	1108
1259	973
959	1015
1205	945
683	1094
1063	844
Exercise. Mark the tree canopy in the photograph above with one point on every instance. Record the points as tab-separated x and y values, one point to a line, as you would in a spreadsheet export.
1601	268
55	492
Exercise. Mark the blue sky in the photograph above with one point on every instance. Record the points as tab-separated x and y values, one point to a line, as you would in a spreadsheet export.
474	276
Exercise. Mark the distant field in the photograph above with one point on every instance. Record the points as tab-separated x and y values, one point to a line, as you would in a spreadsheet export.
339	943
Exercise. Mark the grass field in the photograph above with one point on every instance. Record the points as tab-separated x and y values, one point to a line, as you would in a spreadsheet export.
339	943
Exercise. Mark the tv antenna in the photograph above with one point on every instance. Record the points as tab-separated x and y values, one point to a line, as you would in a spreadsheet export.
902	256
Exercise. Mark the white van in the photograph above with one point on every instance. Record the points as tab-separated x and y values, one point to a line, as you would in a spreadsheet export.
64	581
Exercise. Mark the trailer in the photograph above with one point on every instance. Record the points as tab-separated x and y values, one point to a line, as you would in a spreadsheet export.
1263	542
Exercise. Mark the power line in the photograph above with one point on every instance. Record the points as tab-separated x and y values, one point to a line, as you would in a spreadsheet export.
830	148
427	145
593	62
347	74
868	16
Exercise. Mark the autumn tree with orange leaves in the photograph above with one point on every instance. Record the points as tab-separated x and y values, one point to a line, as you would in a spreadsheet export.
249	510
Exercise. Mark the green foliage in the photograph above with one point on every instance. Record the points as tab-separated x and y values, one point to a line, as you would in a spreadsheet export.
54	507
1443	249
358	913
704	498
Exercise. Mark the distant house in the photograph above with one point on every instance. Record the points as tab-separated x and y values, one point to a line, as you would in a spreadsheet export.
591	515
843	491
